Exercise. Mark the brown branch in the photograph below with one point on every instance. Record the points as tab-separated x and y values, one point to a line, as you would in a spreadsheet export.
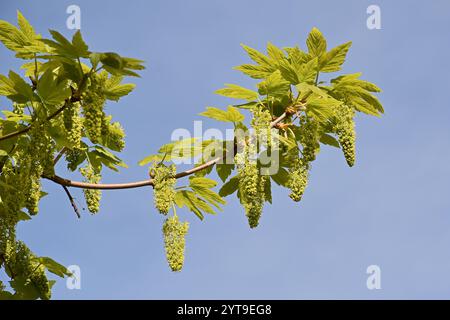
72	201
143	183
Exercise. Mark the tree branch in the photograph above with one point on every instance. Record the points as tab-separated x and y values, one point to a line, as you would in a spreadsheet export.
130	185
72	201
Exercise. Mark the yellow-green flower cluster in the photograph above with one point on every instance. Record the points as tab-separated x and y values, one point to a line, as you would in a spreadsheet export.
24	264
251	185
73	124
93	103
309	138
345	130
298	179
174	241
92	196
164	183
261	124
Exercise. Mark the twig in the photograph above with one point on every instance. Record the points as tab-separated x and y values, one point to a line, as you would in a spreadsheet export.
72	201
60	154
130	185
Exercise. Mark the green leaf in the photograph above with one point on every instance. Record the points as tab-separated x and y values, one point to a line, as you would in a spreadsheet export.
274	85
95	57
254	71
24	41
288	72
15	88
114	89
50	91
25	27
329	140
237	92
307	72
231	115
202	182
180	149
229	187
224	170
188	199
257	56
275	53
321	108
111	59
333	59
106	158
317	45
54	267
80	47
281	177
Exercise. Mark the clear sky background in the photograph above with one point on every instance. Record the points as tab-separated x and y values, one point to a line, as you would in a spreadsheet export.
392	209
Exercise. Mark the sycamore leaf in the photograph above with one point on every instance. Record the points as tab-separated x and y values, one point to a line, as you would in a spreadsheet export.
297	57
307	72
255	71
54	267
193	203
321	108
114	89
106	158
202	182
15	88
23	40
224	170
281	177
275	53
231	115
51	92
237	92
288	71
333	59
201	186
329	140
180	149
274	85
25	27
257	56
229	187
317	45
80	47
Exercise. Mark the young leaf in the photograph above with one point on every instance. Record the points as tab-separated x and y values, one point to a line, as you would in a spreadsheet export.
317	45
114	89
255	71
257	56
274	85
333	59
329	140
224	170
229	187
275	53
54	267
50	91
231	115
80	47
237	92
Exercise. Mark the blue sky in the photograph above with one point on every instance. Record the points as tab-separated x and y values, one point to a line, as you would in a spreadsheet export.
391	209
